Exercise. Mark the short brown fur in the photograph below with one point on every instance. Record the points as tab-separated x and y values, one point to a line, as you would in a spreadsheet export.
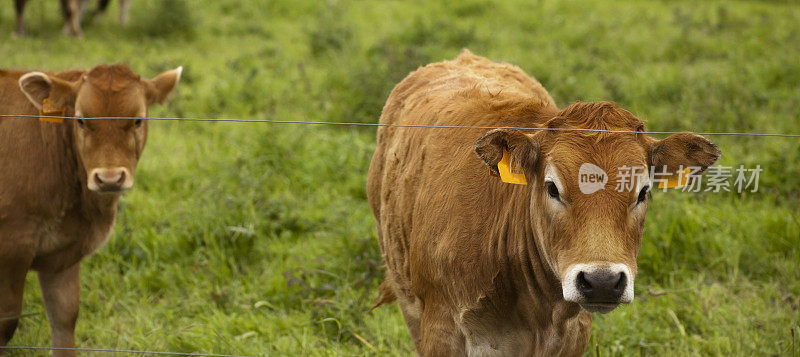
476	264
50	218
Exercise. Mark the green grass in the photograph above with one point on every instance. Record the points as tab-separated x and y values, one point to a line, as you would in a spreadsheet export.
256	239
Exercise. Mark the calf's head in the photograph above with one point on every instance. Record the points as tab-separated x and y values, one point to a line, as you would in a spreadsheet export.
108	149
589	193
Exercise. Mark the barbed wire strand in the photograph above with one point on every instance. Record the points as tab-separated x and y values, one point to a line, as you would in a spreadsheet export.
270	121
39	348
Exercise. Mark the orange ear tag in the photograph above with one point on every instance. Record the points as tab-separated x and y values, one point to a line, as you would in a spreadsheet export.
48	109
682	179
510	171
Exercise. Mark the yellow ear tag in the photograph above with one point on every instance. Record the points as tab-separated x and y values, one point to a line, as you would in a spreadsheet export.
48	109
680	180
510	171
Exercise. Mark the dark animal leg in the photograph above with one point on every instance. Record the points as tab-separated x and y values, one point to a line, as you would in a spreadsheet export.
13	269
65	10
19	8
75	10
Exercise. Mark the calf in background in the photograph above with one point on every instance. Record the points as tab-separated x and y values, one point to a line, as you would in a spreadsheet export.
60	182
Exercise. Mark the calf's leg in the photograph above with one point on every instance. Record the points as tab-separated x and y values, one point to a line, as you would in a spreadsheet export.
410	308
439	334
75	11
124	6
13	269
61	291
19	10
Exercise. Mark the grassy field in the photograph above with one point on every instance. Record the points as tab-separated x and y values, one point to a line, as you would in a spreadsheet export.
256	239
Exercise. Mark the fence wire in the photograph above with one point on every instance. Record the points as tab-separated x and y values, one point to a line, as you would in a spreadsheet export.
109	350
270	121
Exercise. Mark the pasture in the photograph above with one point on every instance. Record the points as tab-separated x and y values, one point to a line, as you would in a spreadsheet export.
256	239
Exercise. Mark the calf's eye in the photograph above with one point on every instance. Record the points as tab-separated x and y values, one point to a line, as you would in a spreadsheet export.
138	123
80	122
642	195
552	190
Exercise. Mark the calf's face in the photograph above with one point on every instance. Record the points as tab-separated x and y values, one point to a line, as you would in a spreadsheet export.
108	149
589	194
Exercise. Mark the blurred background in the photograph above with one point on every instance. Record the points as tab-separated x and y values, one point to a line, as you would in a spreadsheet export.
256	239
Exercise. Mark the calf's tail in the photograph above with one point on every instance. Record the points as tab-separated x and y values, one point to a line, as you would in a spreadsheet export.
385	296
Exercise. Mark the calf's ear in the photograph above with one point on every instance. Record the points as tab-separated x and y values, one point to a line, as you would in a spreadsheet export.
521	147
158	89
38	86
687	150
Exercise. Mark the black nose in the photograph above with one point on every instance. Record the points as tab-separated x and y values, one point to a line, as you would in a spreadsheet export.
601	286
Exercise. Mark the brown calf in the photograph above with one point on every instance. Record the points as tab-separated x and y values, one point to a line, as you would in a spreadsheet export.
482	267
60	182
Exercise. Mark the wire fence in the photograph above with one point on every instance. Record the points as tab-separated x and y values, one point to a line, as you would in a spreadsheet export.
270	121
110	350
